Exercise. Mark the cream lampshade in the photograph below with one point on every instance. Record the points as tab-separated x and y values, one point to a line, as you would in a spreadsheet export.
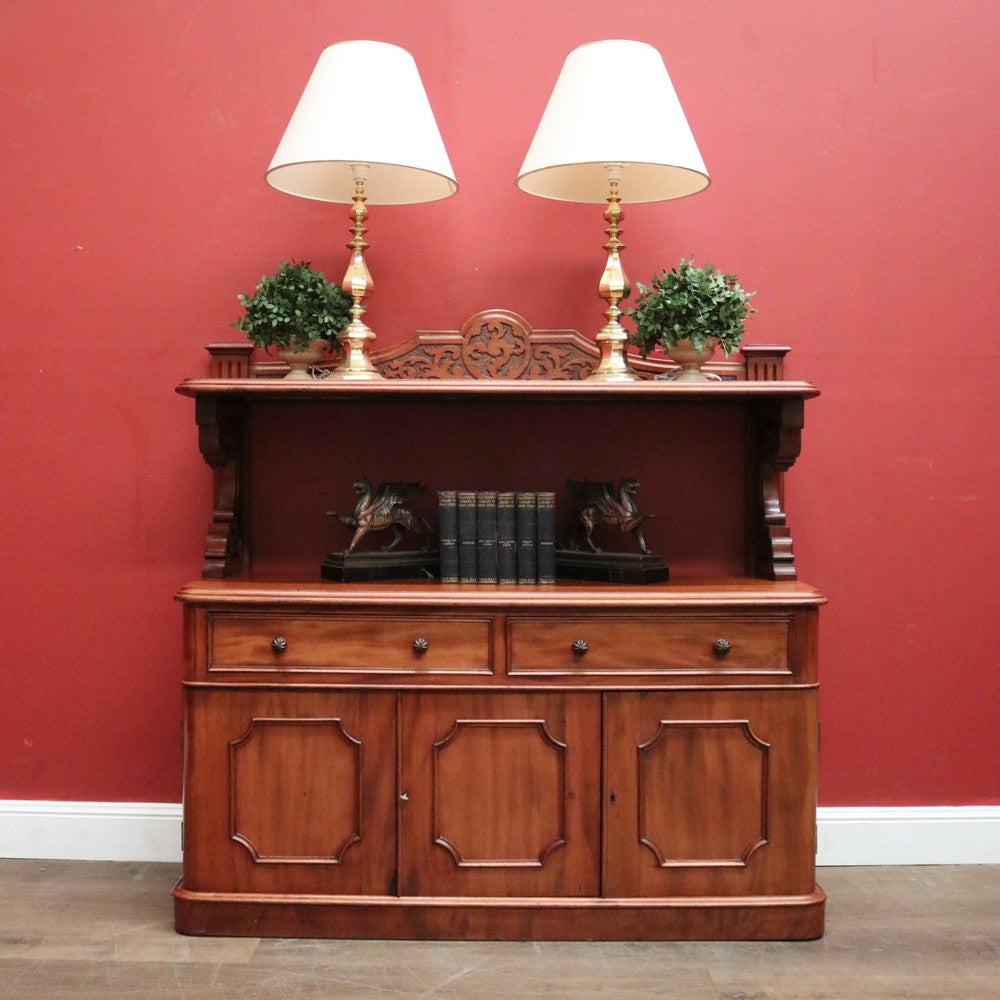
362	132
613	131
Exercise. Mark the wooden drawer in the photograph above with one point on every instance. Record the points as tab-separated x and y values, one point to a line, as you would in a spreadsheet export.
599	644
365	643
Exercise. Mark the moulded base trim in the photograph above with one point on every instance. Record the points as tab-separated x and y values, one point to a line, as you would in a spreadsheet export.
151	831
765	918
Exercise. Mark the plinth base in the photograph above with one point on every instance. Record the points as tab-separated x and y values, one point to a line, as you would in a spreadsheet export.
358	567
426	918
611	567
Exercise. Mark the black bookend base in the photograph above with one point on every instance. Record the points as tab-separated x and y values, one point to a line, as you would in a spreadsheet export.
359	567
611	567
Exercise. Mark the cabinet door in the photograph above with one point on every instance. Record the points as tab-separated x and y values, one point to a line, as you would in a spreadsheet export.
499	794
710	793
289	792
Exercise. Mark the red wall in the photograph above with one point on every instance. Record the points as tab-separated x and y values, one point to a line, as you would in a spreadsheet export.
854	161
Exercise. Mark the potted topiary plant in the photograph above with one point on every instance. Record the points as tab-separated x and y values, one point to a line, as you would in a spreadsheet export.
297	312
688	312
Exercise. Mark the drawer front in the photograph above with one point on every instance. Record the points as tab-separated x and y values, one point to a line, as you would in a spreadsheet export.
596	644
353	643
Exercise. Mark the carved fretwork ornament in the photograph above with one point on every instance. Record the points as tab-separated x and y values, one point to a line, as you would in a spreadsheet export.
500	344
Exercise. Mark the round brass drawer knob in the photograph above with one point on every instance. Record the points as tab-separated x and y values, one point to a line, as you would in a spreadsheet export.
722	647
420	646
279	644
580	647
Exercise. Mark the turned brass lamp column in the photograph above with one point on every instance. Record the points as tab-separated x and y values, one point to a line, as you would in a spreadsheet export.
358	284
613	131
613	337
362	134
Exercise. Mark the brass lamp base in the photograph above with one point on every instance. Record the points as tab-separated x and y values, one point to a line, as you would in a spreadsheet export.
613	366
355	365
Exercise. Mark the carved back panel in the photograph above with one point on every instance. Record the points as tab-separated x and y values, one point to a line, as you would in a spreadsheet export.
500	344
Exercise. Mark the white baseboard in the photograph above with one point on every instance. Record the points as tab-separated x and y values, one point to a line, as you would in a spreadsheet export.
909	835
150	831
90	831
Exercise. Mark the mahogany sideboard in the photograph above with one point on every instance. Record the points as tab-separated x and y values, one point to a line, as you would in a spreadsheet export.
428	760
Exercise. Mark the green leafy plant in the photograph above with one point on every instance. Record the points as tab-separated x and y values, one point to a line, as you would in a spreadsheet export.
692	303
293	307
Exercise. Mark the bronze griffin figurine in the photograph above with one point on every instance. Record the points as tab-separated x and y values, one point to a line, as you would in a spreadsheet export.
604	506
384	507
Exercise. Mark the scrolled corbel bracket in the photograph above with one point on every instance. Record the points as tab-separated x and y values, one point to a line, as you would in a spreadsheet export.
778	433
220	439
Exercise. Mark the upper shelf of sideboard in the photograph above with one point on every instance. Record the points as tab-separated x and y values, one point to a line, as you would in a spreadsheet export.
469	389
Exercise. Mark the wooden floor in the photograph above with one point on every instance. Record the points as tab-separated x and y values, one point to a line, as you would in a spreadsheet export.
103	931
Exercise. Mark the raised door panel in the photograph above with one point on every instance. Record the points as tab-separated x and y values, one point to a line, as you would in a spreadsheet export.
290	792
710	793
499	794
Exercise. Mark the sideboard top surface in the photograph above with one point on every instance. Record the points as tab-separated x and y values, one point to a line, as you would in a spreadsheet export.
734	592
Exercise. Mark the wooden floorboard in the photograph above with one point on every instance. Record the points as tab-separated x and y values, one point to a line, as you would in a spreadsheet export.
102	931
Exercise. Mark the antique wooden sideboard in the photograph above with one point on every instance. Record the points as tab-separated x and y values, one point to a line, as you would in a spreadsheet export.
428	760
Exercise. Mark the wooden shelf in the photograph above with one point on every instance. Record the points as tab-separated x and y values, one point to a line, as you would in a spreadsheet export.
774	419
468	390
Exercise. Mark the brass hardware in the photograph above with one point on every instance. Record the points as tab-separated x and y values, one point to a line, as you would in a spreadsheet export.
420	646
279	644
580	647
721	647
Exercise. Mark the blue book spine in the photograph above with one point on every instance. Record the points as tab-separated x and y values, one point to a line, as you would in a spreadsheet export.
448	535
546	537
468	570
486	536
506	539
526	521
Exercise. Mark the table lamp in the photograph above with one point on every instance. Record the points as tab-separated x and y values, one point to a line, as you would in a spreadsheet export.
362	132
613	131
